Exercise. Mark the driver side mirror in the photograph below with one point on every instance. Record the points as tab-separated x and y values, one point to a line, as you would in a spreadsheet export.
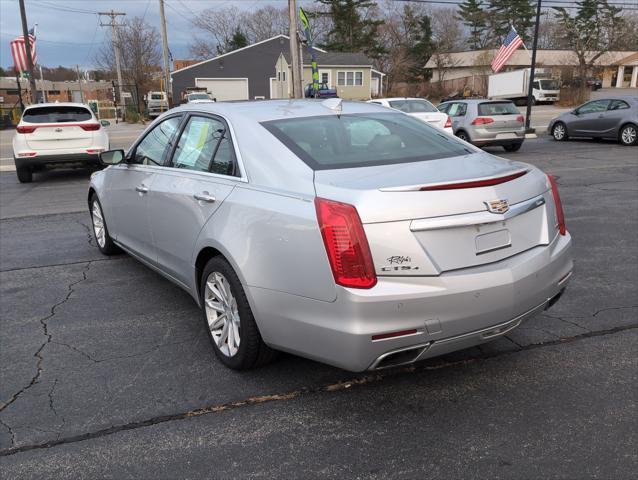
111	157
105	123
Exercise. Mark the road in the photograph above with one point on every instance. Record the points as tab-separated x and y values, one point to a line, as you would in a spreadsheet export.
106	371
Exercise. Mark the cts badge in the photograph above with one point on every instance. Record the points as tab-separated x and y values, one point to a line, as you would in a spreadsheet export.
498	206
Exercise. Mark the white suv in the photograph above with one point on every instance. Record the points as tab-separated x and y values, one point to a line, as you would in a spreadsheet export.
57	134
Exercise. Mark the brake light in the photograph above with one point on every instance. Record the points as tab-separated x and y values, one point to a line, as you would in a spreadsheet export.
474	183
482	120
448	122
346	244
520	119
25	129
90	127
558	205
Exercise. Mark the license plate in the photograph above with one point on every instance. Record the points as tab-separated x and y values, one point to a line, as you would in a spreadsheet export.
488	242
505	136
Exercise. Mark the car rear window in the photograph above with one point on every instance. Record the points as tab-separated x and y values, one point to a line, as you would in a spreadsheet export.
56	114
363	140
497	108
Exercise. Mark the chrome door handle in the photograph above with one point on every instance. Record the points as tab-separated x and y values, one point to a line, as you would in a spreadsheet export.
204	197
141	188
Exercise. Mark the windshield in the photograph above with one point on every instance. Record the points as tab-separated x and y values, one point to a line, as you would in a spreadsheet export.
157	96
362	140
198	96
56	114
497	108
549	84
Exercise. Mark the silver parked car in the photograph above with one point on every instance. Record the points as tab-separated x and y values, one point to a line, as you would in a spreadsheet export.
487	122
612	118
342	232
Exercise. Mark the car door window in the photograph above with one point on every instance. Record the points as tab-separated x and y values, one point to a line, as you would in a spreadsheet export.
618	105
401	105
595	106
443	107
205	146
153	147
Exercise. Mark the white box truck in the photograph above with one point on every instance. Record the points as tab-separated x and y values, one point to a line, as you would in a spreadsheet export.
513	86
156	103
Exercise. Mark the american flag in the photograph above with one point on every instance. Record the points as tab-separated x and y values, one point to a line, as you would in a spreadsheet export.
510	45
19	52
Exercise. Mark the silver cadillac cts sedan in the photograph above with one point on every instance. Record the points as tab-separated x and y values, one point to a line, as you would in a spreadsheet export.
338	231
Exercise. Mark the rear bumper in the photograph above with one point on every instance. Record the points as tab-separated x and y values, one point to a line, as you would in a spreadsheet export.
482	137
449	312
57	160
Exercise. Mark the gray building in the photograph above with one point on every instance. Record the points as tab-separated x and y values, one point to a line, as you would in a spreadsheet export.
257	72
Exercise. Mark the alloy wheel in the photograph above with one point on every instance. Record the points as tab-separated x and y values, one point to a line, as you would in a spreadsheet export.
629	135
98	224
559	131
222	314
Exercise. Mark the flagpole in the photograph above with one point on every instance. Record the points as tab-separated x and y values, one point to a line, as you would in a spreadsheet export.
27	48
532	70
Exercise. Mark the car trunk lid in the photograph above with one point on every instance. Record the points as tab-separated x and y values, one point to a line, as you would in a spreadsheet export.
425	218
59	136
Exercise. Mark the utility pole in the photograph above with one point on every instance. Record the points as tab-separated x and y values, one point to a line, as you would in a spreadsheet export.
77	69
116	48
167	71
297	83
42	89
27	48
532	70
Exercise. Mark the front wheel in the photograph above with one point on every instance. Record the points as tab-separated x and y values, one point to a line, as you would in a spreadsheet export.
514	147
559	132
629	135
229	321
100	230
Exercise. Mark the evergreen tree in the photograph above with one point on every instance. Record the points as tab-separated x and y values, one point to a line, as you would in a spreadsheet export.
422	49
351	31
474	17
238	40
504	13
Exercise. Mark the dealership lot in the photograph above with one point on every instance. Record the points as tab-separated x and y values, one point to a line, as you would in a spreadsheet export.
106	371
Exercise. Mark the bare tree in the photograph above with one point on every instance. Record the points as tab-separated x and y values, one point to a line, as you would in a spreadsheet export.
140	55
447	30
219	25
265	23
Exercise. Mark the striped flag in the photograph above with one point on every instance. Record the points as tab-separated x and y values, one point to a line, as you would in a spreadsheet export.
510	45
19	52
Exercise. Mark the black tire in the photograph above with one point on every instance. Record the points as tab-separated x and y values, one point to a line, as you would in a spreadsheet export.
628	135
108	247
513	147
559	132
463	136
252	351
25	174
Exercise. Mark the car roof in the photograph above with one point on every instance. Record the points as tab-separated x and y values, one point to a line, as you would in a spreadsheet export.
265	110
478	100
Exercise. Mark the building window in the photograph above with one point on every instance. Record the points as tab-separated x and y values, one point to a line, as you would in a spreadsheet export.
54	92
283	76
324	77
349	79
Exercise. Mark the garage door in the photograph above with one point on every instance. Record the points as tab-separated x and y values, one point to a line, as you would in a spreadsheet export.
225	88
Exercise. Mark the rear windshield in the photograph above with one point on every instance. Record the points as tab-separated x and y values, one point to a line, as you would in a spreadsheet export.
363	140
56	114
156	96
413	106
198	96
497	108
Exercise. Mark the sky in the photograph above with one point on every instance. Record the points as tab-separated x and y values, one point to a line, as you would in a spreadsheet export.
69	34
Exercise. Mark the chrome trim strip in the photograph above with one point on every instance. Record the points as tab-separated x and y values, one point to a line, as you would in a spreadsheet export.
563	280
416	188
476	218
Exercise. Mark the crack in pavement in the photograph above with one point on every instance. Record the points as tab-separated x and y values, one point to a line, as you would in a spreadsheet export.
13	437
55	412
48	336
79	262
563	319
89	234
364	379
613	308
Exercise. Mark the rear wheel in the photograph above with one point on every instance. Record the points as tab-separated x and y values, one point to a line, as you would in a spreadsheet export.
629	134
230	323
559	132
463	136
100	230
25	174
513	147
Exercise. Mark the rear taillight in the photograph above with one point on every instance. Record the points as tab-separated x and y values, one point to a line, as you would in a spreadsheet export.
560	216
482	120
346	244
520	119
25	129
90	127
448	122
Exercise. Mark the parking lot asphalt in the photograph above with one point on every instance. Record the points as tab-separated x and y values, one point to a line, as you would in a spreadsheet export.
106	371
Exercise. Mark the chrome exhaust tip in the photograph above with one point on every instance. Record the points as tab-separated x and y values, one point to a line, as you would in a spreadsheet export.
399	357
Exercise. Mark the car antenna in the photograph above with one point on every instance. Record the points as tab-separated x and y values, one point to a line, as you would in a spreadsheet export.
333	104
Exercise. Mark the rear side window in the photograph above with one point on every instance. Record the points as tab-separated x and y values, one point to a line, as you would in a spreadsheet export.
419	106
57	114
362	140
618	105
497	108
